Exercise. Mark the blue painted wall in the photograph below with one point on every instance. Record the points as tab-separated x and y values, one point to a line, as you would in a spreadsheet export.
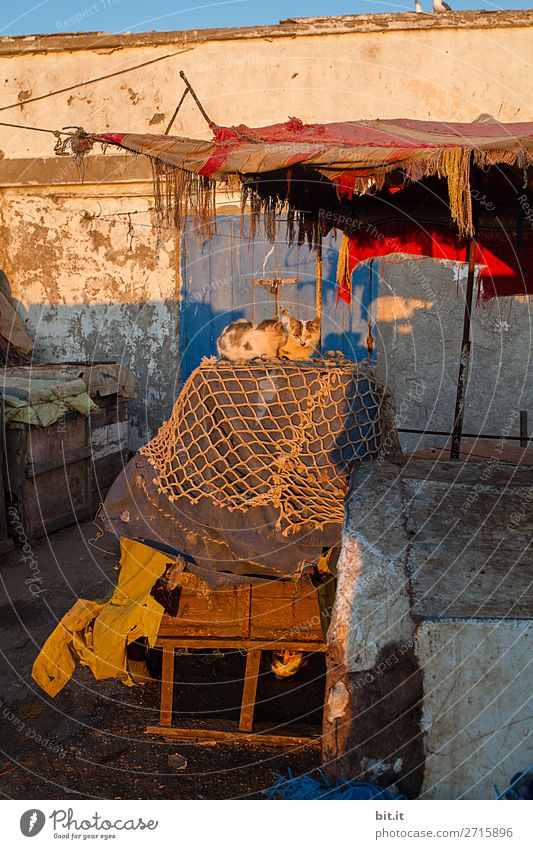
217	289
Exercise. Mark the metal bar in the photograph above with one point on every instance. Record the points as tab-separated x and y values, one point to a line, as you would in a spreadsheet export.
318	290
271	281
196	100
176	110
523	429
464	363
465	435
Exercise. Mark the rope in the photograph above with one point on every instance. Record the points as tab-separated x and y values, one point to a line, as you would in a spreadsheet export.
272	433
35	129
90	82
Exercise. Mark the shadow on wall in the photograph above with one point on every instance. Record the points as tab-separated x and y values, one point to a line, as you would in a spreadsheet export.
420	312
416	311
143	336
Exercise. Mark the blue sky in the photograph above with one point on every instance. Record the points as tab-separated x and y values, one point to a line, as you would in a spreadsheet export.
53	16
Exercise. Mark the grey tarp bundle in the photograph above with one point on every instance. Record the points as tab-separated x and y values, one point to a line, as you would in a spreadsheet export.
39	394
247	478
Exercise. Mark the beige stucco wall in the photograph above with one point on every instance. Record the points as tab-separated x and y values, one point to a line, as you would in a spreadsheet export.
85	288
445	73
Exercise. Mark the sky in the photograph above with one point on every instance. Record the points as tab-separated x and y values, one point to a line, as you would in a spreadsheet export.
54	16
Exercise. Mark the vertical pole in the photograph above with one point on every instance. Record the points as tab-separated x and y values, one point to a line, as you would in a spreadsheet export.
466	345
523	429
318	290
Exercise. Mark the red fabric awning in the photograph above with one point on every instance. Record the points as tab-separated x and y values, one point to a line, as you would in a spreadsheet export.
353	146
502	273
356	156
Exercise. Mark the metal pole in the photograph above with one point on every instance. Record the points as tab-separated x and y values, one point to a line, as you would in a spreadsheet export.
462	380
176	110
523	429
196	99
318	290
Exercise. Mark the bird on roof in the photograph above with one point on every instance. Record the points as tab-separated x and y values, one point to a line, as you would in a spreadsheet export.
441	6
418	7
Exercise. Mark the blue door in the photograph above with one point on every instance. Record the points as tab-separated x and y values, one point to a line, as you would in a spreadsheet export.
217	289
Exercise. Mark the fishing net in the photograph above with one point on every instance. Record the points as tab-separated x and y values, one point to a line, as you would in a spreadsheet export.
277	433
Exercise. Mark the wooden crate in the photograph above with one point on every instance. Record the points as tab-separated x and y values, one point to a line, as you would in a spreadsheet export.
59	474
276	610
252	618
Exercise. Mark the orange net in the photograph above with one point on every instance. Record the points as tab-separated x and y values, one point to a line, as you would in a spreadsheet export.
273	432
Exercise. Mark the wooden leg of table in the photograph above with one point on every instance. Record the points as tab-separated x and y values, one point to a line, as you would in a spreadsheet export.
253	659
167	686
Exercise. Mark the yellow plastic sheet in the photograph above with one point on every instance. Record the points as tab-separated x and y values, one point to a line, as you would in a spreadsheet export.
96	634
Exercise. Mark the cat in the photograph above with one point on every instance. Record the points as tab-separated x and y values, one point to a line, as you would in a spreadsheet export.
289	338
285	664
302	338
241	340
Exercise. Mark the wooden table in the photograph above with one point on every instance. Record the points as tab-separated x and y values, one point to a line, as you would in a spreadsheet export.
251	618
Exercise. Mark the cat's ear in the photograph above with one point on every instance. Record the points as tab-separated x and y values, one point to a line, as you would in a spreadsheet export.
315	324
278	326
294	324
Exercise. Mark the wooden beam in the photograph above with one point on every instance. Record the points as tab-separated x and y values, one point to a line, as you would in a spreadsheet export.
167	685
274	281
464	362
318	291
230	643
253	659
196	735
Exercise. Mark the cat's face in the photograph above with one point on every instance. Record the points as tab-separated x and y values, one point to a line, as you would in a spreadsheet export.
305	333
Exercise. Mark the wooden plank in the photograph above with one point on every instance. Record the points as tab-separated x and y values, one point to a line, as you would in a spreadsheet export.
196	735
285	610
253	660
167	685
483	449
246	593
48	464
228	643
222	612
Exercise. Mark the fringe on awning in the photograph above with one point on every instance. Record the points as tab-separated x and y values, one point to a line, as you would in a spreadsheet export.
179	194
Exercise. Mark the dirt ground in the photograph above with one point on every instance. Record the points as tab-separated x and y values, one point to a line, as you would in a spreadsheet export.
90	741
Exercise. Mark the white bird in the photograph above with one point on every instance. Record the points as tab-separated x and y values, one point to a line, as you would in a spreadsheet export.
418	7
441	6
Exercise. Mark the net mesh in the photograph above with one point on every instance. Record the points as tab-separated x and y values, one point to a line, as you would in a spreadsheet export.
276	432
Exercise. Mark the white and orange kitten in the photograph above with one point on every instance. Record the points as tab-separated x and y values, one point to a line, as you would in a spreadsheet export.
289	337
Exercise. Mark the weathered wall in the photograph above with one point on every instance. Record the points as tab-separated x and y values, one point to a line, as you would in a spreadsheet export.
478	671
419	311
429	680
90	292
85	290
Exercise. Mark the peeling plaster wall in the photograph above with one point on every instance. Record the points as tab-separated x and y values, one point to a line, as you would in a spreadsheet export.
88	292
416	72
84	291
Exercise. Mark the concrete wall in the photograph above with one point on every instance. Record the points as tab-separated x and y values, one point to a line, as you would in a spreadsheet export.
429	674
419	311
479	671
87	289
